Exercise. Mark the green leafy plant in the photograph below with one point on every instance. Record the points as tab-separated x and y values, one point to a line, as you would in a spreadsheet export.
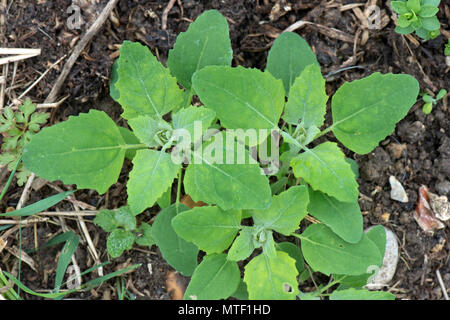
17	129
430	101
245	212
121	224
418	16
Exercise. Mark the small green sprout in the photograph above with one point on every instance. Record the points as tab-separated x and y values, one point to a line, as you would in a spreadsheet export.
121	224
17	129
447	48
430	101
418	16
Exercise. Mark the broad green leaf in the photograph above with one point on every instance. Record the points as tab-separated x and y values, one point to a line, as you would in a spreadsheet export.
153	173
129	138
431	2
414	5
180	254
271	279
378	236
146	128
239	94
144	86
210	228
344	218
145	237
241	292
230	186
113	92
406	30
205	43
365	111
307	99
325	169
215	278
242	246
286	211
431	23
118	241
428	11
186	118
294	252
326	252
287	58
361	294
86	150
354	166
399	7
165	200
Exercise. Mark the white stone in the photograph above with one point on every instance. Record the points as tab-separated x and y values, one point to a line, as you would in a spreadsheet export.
397	191
390	260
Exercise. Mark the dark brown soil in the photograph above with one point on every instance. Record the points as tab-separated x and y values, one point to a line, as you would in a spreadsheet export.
417	153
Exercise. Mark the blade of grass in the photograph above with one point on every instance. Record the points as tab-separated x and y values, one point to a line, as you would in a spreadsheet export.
10	178
87	286
38	206
10	294
66	255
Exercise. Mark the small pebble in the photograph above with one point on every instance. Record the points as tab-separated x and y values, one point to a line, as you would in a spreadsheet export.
443	187
397	191
390	260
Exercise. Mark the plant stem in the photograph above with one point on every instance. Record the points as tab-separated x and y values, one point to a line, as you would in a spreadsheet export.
134	146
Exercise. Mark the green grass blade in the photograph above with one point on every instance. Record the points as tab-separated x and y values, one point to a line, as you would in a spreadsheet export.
98	281
29	291
66	255
39	206
10	179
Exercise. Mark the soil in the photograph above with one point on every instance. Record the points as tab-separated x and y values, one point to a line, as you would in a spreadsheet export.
417	153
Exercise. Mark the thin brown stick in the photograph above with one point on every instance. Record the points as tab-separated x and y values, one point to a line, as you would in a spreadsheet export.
166	14
91	32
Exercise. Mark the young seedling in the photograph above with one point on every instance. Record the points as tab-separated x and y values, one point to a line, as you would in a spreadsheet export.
418	16
17	129
211	153
121	224
430	101
447	48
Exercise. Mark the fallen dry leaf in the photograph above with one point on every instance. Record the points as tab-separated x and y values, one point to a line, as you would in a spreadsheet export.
175	285
187	200
424	214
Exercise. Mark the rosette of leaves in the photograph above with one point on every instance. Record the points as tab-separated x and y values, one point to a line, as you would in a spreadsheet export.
418	16
245	214
121	224
17	128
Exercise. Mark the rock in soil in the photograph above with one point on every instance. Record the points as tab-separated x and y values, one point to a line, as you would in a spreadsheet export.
390	260
443	187
398	193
